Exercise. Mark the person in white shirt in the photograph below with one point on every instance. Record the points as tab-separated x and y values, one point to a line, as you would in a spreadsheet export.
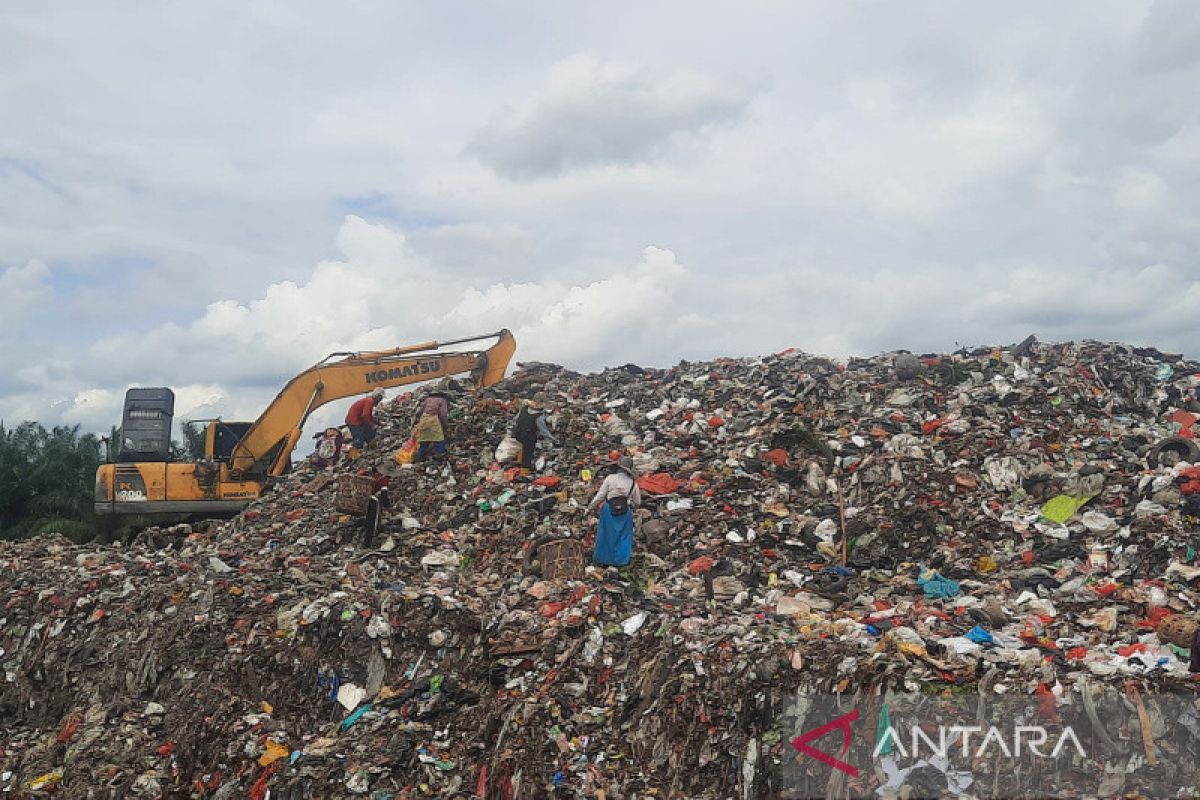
616	498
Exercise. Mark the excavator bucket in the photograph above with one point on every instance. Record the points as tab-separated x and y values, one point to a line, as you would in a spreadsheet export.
497	358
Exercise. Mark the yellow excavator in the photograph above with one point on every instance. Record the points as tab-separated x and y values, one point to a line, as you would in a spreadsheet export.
240	457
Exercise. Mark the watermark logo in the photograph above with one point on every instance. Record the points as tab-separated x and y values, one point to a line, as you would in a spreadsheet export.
949	739
842	723
949	742
993	744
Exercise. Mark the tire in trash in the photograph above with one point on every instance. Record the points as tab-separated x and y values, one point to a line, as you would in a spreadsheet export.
1172	450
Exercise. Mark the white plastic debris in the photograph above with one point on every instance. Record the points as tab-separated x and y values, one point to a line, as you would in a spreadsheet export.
1097	522
350	695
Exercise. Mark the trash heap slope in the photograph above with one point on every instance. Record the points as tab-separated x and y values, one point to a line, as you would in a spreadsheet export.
1021	517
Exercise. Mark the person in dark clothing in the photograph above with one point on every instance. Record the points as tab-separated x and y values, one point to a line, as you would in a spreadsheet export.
1194	665
529	426
379	502
360	419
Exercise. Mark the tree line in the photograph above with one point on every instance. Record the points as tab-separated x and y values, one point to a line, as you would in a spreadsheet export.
48	478
47	481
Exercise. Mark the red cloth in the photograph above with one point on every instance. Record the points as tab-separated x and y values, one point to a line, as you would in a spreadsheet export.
932	425
362	412
549	481
1185	421
658	483
1193	480
1156	615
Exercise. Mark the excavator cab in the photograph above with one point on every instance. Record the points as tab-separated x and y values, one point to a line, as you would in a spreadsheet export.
220	438
146	425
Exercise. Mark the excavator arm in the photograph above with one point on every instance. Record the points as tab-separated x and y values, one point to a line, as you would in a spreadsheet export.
267	445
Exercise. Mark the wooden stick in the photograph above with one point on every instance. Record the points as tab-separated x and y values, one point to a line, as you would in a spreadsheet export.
842	515
1143	722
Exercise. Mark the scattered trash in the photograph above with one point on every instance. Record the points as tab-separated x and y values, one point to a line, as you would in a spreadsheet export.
806	526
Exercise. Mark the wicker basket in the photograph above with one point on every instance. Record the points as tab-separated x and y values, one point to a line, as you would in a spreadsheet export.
1178	630
561	559
354	491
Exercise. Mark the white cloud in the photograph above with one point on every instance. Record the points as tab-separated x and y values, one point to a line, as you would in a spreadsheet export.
196	399
583	325
381	294
473	251
592	113
94	405
23	287
98	408
840	178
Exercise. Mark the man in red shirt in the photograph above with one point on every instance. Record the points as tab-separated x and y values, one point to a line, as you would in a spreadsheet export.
360	419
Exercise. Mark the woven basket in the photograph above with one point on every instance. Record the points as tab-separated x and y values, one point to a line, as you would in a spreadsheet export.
561	560
354	491
1178	630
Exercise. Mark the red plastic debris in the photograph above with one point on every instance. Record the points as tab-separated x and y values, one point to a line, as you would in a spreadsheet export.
932	425
1156	615
658	483
1185	420
549	481
259	790
549	610
1046	702
701	564
68	730
1193	480
778	457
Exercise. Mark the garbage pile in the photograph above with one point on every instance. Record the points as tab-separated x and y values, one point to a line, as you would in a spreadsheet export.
1005	521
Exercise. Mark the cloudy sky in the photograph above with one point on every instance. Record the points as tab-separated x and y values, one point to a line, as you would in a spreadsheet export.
211	196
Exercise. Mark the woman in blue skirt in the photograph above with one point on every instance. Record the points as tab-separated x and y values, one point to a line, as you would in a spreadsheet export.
616	499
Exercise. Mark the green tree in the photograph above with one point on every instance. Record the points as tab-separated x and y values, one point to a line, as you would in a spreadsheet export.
192	446
46	481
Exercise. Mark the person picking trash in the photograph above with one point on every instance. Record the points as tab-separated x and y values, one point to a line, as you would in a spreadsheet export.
616	498
360	419
329	448
530	426
430	430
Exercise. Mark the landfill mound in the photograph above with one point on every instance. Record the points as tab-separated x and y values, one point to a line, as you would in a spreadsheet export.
1002	520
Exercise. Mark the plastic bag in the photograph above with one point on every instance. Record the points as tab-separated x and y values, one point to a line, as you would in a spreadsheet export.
508	450
408	453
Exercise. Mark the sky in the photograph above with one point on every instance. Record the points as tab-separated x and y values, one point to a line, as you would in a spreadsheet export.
212	196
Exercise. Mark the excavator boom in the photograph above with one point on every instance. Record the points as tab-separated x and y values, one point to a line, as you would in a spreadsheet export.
268	445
